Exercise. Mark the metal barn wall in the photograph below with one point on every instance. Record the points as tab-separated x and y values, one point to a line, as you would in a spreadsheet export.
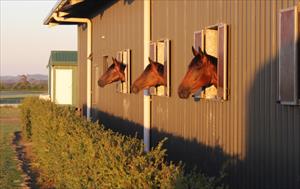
257	138
118	26
254	136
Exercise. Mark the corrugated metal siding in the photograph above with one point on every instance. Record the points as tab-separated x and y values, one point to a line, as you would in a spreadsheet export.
258	138
122	28
250	129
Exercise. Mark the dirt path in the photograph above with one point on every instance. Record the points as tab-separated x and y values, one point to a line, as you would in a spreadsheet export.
23	151
17	152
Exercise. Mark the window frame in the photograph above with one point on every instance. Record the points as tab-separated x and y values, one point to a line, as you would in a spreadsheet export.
282	97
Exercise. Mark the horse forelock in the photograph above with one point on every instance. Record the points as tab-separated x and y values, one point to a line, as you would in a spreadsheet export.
160	68
197	61
194	62
111	67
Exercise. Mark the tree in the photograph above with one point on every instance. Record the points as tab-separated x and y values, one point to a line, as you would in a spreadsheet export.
23	79
23	83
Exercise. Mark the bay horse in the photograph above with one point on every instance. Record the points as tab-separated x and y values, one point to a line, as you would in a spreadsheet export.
153	75
202	73
114	73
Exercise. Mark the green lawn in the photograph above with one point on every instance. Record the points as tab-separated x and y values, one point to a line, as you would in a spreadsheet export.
10	176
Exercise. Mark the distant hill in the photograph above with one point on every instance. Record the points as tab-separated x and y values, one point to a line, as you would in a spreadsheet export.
31	78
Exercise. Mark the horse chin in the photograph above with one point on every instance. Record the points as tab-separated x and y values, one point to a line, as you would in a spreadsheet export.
138	86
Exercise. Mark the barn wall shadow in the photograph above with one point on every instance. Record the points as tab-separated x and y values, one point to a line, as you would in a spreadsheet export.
272	131
118	124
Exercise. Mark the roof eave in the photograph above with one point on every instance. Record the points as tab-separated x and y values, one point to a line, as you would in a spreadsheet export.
57	6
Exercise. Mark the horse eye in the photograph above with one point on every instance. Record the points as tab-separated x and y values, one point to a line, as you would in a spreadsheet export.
198	68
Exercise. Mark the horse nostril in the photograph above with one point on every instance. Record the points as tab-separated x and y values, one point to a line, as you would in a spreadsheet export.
134	89
101	83
183	92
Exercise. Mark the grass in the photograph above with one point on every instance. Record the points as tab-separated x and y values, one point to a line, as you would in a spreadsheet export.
9	113
10	175
20	94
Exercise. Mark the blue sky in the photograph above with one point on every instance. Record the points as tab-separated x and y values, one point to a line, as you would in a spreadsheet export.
25	42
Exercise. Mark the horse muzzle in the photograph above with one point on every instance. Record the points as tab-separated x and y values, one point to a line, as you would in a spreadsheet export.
135	89
101	83
184	92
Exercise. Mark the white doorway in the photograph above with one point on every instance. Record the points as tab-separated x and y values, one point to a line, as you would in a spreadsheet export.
63	86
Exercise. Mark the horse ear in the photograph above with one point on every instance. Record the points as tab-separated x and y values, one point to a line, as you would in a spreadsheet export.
150	60
114	61
201	52
194	51
153	66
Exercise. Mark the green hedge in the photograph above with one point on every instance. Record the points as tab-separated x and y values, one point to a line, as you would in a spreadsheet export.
71	152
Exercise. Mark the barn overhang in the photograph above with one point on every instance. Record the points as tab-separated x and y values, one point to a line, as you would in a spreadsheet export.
75	9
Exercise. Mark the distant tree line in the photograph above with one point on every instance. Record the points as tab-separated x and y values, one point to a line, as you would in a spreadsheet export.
24	84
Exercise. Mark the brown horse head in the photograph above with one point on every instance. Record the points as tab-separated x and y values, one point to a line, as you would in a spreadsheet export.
202	72
153	75
114	73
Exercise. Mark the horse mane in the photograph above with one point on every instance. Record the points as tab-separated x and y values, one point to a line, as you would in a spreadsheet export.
123	66
194	61
160	69
212	59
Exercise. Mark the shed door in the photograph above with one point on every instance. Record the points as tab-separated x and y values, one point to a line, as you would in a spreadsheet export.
63	86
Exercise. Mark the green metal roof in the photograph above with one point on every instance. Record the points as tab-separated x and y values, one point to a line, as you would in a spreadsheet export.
63	58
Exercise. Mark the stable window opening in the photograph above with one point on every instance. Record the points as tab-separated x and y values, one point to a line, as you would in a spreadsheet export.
160	52
124	56
213	40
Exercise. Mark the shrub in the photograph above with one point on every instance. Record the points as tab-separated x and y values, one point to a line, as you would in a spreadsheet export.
72	152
